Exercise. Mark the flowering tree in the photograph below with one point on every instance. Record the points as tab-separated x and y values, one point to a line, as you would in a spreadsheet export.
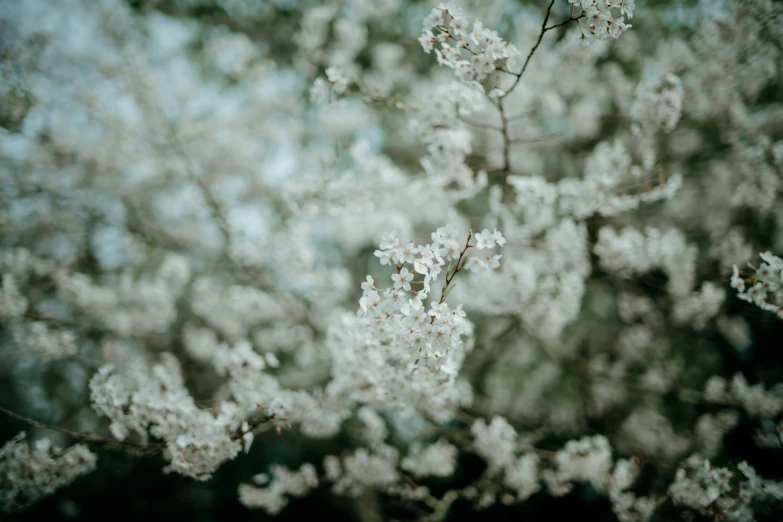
492	254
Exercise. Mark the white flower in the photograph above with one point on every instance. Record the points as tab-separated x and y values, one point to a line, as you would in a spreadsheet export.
247	437
444	233
403	279
496	93
428	257
450	250
486	239
427	41
438	309
474	264
422	265
370	300
384	256
434	19
320	91
271	360
766	291
473	55
407	254
627	7
774	261
368	285
459	26
389	240
767	274
12	302
339	80
437	460
426	283
493	262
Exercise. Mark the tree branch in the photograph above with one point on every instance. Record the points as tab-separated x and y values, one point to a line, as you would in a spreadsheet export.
544	30
90	438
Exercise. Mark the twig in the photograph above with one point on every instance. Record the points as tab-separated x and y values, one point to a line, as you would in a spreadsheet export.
533	50
457	268
537	139
544	30
565	22
487	126
521	115
90	438
506	169
216	209
504	120
212	202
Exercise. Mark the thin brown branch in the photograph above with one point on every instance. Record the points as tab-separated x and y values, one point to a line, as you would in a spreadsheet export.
173	140
132	448
521	115
90	438
459	266
534	48
450	277
506	168
507	142
565	22
254	426
537	139
487	126
63	324
544	30
212	202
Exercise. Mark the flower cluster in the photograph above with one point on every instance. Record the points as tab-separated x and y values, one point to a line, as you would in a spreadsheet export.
363	469
128	303
272	496
156	400
416	352
496	442
427	260
755	400
722	493
629	251
437	124
658	104
599	22
608	174
763	286
336	82
12	302
46	342
587	460
473	54
28	474
433	460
